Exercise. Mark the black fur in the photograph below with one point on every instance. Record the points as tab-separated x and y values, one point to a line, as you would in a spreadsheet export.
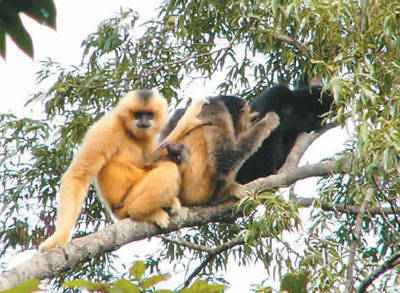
145	95
230	150
299	111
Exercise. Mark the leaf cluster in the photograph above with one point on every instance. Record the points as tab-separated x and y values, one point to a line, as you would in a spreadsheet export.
43	11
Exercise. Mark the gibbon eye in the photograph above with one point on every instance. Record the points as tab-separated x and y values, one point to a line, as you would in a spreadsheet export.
149	114
178	159
142	114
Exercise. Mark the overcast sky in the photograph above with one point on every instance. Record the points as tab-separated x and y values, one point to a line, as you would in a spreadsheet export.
75	20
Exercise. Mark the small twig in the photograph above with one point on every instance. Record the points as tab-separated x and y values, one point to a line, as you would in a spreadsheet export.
390	201
197	271
157	68
188	244
357	232
345	209
393	261
212	253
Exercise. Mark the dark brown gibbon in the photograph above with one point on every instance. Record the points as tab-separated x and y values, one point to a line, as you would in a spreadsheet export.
220	137
114	152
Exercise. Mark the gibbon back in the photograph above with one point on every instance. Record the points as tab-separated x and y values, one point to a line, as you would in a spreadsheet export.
220	138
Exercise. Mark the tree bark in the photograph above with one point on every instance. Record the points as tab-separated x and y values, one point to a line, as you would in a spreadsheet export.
50	264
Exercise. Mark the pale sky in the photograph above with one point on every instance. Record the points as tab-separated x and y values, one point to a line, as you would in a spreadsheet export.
75	20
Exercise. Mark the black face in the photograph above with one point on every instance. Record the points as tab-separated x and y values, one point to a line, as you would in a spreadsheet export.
143	119
176	152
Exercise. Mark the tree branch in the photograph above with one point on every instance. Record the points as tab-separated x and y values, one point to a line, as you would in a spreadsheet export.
393	261
303	141
50	264
357	232
213	252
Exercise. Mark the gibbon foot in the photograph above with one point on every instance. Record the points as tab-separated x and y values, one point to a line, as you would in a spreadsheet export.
238	190
54	240
159	217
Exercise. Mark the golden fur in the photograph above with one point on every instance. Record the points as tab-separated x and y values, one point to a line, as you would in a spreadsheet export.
219	144
114	151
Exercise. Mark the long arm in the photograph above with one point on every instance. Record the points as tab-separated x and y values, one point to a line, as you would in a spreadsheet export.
91	157
230	155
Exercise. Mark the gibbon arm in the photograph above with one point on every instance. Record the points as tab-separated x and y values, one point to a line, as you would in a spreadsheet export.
230	155
91	157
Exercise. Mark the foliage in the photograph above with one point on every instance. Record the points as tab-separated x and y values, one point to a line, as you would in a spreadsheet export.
43	11
140	284
242	46
25	287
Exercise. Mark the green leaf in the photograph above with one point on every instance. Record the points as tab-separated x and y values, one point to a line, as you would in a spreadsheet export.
152	281
91	286
11	21
43	11
295	282
126	286
137	270
25	287
2	43
203	287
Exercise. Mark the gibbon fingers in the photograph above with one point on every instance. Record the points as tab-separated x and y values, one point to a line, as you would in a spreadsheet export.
220	137
114	151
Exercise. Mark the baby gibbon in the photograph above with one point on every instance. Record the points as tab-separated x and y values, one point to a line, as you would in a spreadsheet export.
220	137
115	151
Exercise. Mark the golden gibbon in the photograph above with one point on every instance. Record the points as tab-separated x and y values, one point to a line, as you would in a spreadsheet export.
114	152
220	136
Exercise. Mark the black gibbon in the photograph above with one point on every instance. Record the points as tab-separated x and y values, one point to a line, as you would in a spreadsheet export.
220	137
299	111
115	151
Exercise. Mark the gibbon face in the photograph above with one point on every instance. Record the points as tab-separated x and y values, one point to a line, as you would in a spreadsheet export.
143	113
178	153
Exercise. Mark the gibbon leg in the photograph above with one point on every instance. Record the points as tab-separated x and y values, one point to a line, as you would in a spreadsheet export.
158	189
175	206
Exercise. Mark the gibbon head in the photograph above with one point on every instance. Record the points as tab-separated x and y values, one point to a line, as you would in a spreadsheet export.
229	111
178	153
143	112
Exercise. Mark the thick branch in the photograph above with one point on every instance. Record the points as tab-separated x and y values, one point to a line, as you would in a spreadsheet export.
51	263
293	174
303	141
